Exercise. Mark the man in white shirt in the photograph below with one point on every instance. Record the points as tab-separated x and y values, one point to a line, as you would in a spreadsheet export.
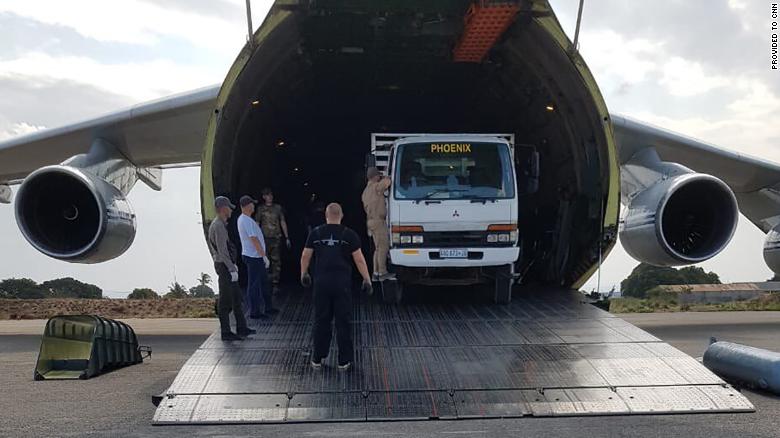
258	289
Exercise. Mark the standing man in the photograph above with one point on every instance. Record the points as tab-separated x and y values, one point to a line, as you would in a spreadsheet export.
335	248
315	216
258	288
224	254
376	217
270	216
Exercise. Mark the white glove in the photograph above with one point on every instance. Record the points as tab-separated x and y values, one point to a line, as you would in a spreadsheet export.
234	276
267	262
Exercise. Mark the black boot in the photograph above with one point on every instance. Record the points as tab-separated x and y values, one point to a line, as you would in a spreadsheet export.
230	336
246	332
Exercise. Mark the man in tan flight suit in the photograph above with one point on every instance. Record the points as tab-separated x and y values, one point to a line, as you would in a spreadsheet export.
376	216
270	216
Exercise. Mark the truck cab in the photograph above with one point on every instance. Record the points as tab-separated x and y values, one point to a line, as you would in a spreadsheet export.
452	211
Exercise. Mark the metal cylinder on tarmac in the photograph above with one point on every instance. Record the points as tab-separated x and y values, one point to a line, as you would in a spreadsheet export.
749	365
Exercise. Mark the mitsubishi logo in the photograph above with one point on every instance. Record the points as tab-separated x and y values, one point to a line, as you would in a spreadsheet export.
455	214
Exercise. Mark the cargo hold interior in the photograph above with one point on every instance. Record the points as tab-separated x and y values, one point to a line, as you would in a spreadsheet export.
298	118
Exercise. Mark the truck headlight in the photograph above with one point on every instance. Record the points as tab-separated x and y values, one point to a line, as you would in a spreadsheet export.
396	238
406	239
503	238
513	236
492	238
417	239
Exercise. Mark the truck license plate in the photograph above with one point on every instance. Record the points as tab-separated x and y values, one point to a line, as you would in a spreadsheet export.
453	253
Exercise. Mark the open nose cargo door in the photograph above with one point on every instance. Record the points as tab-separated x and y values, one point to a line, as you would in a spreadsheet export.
83	346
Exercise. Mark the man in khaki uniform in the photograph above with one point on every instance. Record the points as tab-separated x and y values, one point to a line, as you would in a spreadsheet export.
270	216
376	216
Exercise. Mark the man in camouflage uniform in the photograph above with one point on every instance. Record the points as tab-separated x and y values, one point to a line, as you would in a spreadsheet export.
270	216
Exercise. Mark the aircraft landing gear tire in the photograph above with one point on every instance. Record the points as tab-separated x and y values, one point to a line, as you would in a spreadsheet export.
503	288
392	291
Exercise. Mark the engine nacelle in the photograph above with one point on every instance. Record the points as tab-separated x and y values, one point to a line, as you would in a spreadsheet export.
69	214
772	249
680	220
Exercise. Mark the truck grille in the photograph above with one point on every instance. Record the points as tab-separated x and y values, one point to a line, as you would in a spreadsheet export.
454	239
449	239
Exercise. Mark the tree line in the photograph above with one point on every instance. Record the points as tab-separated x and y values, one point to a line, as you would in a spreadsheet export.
59	288
647	277
641	280
177	290
25	288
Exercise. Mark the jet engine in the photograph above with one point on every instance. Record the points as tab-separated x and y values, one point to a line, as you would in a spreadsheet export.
772	249
70	214
680	220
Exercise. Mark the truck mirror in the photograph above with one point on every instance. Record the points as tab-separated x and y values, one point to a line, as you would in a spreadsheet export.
370	160
527	159
533	173
533	164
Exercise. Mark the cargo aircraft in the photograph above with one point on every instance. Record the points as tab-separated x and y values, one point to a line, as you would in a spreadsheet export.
314	87
298	106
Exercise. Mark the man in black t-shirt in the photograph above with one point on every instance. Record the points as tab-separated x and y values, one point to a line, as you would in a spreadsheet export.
336	247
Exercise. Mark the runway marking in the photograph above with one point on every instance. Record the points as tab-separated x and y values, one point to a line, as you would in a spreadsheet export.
356	433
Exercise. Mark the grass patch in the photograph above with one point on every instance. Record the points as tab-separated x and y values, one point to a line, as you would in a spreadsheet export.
667	302
115	309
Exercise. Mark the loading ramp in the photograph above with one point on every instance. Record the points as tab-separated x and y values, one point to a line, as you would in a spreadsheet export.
546	354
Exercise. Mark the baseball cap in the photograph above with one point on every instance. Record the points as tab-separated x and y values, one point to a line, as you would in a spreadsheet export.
372	172
222	201
246	200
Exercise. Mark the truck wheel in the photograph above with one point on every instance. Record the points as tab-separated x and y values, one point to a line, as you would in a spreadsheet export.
392	291
503	288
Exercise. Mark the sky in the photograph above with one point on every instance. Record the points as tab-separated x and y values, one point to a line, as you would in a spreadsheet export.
699	67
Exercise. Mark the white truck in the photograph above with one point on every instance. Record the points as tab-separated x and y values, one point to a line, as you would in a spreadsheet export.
452	211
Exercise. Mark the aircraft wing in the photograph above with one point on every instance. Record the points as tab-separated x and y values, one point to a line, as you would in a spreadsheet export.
158	133
755	182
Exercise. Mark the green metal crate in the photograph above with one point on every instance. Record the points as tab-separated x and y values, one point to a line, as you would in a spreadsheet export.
83	346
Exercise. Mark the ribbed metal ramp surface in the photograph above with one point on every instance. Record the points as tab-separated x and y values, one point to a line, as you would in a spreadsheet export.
546	354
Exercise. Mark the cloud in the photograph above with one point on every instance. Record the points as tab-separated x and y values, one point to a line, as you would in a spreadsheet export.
720	35
228	10
648	72
151	50
140	81
685	78
131	21
10	130
757	101
745	125
616	58
44	102
737	4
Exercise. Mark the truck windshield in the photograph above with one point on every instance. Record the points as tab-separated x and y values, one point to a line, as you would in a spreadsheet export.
457	170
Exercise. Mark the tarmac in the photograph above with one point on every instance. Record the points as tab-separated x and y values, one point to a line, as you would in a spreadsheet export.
119	403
